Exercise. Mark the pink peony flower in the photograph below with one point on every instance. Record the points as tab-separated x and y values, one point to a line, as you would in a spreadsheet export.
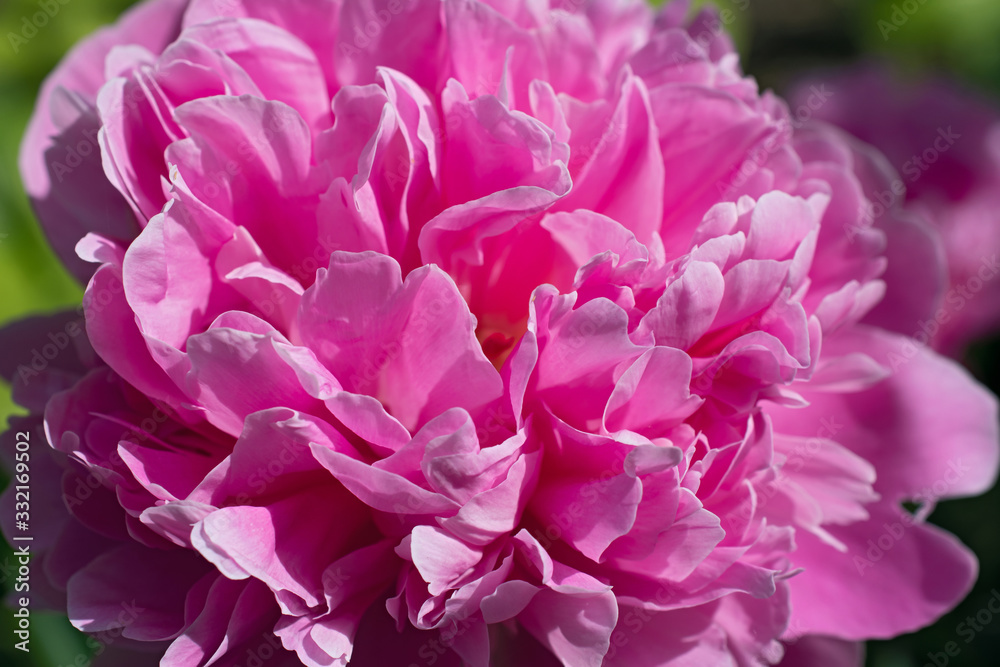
945	169
478	333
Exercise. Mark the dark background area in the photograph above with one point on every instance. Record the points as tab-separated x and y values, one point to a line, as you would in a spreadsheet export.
779	39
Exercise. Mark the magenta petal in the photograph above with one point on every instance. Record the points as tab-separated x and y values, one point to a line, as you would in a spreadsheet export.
916	280
819	651
577	629
385	343
688	306
133	139
263	176
917	455
232	614
595	336
220	356
496	511
407	43
380	642
705	135
441	559
140	591
114	333
285	553
617	164
896	576
382	490
284	69
610	511
687	638
584	234
165	271
65	116
639	402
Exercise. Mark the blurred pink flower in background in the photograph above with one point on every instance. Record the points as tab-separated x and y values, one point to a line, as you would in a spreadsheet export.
479	333
942	145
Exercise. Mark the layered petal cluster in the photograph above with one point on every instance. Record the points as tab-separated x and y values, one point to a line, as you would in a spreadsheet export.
947	171
475	332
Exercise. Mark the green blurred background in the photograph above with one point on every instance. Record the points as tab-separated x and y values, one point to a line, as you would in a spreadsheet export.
778	39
